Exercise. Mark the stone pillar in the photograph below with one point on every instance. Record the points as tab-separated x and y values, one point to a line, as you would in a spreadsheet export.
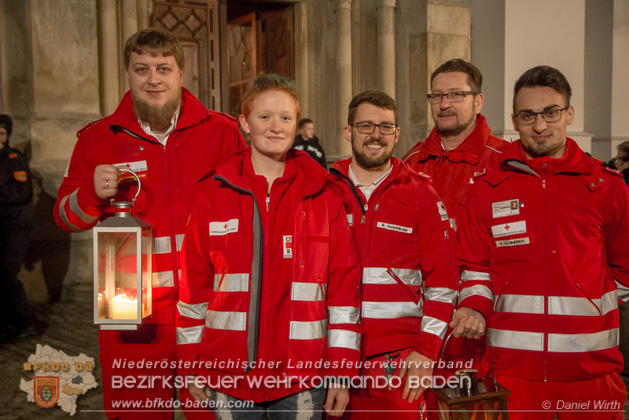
620	91
438	31
386	46
109	56
343	67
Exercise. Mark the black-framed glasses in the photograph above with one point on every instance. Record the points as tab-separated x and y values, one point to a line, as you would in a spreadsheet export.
452	97
367	127
549	115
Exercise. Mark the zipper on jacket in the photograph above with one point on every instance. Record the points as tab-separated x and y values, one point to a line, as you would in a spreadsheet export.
268	199
256	275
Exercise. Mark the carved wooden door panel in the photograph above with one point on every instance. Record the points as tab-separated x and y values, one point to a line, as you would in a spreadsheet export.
242	61
278	42
195	24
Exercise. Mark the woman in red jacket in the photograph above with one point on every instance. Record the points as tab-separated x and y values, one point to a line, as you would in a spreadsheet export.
269	307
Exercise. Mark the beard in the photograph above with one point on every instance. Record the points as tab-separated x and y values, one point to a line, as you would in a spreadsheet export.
456	129
367	162
157	117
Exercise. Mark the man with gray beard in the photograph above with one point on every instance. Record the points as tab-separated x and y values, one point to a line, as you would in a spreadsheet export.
164	134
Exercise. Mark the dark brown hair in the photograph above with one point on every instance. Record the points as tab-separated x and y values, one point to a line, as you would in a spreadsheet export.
379	99
474	77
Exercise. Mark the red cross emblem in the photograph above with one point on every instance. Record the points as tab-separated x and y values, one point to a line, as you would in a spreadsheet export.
507	227
225	226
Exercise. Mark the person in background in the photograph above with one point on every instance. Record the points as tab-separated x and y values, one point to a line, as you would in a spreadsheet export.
309	143
270	291
164	134
16	224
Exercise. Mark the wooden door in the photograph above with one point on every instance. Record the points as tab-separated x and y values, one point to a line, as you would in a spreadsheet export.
242	61
195	24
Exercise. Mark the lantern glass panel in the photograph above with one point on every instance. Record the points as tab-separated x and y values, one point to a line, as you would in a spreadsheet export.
118	276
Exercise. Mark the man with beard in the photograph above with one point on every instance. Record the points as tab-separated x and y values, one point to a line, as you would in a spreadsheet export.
409	282
460	145
164	134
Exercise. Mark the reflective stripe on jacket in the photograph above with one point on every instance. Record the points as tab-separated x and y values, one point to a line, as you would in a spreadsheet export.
269	278
169	175
409	282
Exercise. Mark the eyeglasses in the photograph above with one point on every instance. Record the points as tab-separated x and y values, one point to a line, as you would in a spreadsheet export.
452	97
367	127
549	115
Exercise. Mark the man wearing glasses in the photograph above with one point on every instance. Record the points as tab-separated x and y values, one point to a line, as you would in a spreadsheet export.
542	244
409	282
460	145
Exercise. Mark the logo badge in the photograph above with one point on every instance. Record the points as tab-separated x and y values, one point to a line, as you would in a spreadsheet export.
46	391
442	211
508	229
287	244
140	168
20	176
223	228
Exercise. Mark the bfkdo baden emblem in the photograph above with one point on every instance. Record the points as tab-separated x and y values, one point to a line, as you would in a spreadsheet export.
46	391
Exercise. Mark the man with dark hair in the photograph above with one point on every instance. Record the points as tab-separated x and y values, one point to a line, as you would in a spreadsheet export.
164	134
16	224
542	244
409	281
308	142
460	144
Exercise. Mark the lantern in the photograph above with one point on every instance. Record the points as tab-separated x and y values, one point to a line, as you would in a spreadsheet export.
473	398
123	246
489	401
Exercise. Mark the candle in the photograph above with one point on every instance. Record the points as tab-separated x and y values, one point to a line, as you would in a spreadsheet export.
123	307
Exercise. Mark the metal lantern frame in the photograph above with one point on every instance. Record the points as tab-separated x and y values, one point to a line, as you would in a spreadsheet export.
484	399
123	222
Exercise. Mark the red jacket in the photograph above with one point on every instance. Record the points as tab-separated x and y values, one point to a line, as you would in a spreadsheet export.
261	275
201	140
540	246
453	170
409	280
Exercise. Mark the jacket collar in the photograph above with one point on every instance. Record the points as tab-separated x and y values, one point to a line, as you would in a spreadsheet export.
192	113
298	164
574	160
470	151
399	170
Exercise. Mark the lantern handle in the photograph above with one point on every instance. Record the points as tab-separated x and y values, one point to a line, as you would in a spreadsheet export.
137	178
487	342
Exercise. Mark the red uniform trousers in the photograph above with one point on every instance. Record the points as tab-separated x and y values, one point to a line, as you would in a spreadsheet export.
594	399
374	401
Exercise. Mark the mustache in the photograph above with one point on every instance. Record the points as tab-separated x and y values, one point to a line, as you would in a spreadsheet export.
446	114
374	141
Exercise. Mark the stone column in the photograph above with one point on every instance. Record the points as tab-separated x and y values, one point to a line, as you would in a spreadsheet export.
620	92
386	46
109	56
343	67
439	30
